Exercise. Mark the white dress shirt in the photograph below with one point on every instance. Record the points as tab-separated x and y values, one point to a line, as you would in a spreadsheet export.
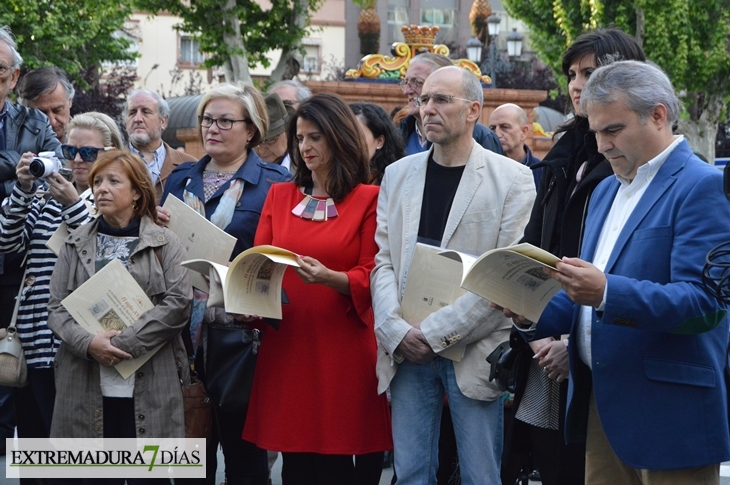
628	196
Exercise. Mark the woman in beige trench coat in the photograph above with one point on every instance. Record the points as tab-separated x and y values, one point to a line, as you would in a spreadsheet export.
92	400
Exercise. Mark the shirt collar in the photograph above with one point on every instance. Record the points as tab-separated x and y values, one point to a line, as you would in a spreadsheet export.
650	168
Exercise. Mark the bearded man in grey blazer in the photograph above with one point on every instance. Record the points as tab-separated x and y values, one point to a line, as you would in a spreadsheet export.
458	196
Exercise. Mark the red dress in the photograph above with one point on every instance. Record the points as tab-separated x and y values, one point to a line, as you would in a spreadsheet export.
315	388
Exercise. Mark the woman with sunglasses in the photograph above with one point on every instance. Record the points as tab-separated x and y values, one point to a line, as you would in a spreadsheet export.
228	187
36	209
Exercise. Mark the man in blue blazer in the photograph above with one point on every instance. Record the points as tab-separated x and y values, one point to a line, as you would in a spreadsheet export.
647	344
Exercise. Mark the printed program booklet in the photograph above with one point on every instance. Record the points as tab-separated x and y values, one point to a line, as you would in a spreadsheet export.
511	277
111	300
251	285
201	238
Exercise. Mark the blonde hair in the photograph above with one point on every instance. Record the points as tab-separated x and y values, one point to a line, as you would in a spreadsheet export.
249	98
101	123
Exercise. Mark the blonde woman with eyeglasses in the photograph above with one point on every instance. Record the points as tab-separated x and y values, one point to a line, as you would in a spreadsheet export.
228	186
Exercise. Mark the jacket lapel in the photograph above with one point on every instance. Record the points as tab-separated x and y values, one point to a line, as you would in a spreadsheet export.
665	177
413	193
470	181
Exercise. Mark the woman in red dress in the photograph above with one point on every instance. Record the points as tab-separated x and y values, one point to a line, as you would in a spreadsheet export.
315	394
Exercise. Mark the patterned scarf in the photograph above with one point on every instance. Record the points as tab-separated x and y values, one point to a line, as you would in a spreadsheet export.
221	217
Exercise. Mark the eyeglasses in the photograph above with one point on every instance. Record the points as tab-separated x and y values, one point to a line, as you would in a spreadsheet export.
415	84
438	99
222	123
87	154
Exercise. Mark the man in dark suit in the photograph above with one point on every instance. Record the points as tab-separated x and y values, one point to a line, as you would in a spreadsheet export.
647	345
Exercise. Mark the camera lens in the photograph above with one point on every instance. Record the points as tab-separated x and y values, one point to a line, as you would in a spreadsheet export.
40	167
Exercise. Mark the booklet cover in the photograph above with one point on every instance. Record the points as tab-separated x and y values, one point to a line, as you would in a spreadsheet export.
433	282
201	238
111	300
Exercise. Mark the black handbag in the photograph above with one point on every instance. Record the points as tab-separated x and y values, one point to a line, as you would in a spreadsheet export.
505	364
230	365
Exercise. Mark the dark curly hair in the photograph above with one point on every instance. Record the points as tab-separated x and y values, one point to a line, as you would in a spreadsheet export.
380	124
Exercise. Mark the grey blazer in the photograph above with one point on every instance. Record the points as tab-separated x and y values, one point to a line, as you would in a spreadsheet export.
490	210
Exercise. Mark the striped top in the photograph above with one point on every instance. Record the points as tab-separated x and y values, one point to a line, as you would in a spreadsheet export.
27	222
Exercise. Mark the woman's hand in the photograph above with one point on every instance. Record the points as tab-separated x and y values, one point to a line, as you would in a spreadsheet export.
62	190
25	179
312	271
104	352
163	216
553	358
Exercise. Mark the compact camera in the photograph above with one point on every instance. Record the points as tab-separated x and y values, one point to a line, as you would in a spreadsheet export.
47	163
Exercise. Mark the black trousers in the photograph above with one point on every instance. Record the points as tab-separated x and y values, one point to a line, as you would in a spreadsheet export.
34	409
246	463
318	469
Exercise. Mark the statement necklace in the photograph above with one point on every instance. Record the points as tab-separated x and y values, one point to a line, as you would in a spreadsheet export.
315	209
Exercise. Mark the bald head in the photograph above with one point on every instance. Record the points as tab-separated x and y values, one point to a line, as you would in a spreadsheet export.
509	122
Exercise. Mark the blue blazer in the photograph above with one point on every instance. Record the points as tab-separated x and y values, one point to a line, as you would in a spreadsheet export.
659	346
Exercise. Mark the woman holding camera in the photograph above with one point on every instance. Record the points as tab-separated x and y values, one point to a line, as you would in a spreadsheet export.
31	215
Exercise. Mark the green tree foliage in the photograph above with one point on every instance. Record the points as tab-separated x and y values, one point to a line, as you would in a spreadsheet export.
689	39
260	30
74	35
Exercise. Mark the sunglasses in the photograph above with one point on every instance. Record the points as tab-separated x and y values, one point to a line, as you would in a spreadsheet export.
87	154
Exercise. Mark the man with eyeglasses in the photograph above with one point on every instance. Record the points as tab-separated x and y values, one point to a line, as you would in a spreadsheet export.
460	196
22	130
146	118
291	92
411	127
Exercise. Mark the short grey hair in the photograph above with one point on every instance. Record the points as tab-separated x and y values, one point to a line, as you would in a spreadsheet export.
39	82
6	35
303	92
436	61
471	86
644	84
163	109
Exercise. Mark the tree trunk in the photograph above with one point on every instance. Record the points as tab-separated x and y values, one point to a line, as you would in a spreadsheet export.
701	133
236	67
289	62
640	26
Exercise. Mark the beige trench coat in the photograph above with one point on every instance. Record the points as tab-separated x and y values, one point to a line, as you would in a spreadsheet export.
158	403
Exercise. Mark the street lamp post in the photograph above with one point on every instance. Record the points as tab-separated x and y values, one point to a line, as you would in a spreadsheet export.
493	23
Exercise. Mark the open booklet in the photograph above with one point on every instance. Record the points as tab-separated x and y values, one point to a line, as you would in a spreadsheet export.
201	238
251	285
433	282
111	300
512	277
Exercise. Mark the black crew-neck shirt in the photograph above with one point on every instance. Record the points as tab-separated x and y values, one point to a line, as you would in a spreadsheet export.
438	196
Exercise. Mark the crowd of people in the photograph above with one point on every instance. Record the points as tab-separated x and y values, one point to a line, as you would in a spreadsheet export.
622	379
